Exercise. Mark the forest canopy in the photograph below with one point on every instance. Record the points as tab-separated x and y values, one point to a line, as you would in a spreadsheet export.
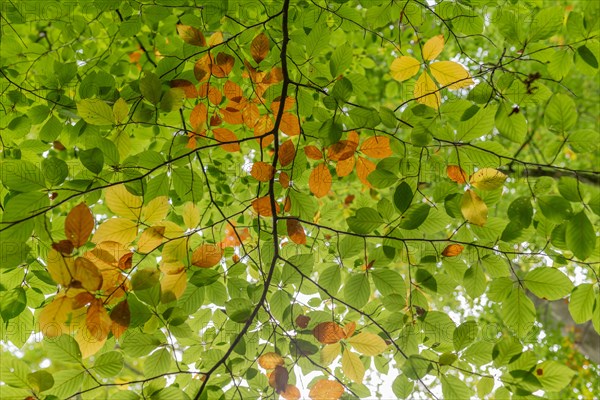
324	199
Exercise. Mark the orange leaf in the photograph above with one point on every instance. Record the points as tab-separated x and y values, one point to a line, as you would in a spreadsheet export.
191	35
279	379
287	205
231	235
296	231
456	173
377	147
328	332
215	39
223	66
287	153
206	256
232	91
262	126
225	135
262	206
92	336
86	275
120	316
353	137
291	393
251	116
202	68
259	48
231	115
326	390
319	181
79	225
199	116
341	150
345	167
290	124
207	90
270	360
349	329
262	171
313	152
363	168
284	179
188	87
452	250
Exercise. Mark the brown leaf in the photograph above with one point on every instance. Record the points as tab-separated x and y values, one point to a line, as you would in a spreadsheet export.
319	181
199	116
191	35
326	390
284	179
79	225
120	316
262	171
262	126
456	173
377	147
188	87
313	152
452	250
202	68
287	205
223	66
302	321
341	150
64	246
296	231
232	91
349	329
345	167
259	48
328	332
270	360
363	168
207	256
279	378
287	153
262	206
290	124
225	135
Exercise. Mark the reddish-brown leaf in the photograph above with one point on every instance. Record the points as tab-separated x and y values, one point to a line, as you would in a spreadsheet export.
341	150
223	65
349	329
296	231
262	171
452	250
377	147
202	68
328	332
290	124
120	316
287	152
98	321
284	179
313	152
278	379
188	87
259	48
207	256
326	390
191	35
456	173
232	91
319	181
79	225
287	205
64	246
225	135
302	321
262	206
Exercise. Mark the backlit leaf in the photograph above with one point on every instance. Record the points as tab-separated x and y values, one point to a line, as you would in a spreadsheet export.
262	171
368	344
473	208
259	48
270	360
191	35
450	74
404	67
207	256
328	332
79	225
320	180
487	179
377	147
352	367
326	390
426	92
433	47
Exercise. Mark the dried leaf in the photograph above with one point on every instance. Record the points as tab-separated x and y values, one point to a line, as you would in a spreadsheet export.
225	135
342	150
279	379
199	116
223	65
302	321
262	206
64	246
188	87
284	179
290	124
191	35
120	316
363	168
345	167
313	153
79	225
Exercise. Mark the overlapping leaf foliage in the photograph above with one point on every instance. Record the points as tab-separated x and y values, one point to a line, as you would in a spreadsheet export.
303	199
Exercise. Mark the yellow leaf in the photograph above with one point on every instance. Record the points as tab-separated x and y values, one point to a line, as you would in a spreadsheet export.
349	329
119	230
487	179
270	360
207	255
120	110
368	344
404	68
174	281
150	239
319	180
60	267
79	225
352	367
156	210
86	275
92	335
450	74
433	47
330	353
326	390
191	215
473	208
54	316
426	92
123	203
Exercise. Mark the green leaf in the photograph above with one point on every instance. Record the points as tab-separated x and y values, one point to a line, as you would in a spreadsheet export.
581	236
518	312
553	376
357	290
150	87
342	90
12	303
561	113
158	363
475	281
92	159
239	309
581	303
340	59
478	125
548	283
365	221
414	216
63	348
21	176
586	55
388	282
546	23
55	170
464	335
511	124
41	380
109	364
403	196
402	387
454	388
138	344
520	211
95	112
555	208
